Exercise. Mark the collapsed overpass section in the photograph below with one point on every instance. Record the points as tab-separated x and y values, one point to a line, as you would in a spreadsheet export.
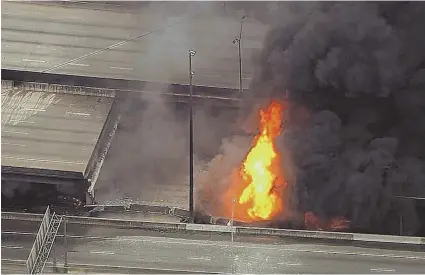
57	129
51	142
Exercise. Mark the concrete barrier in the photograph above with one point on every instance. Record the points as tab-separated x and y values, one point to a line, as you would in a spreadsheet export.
145	208
93	268
210	228
73	84
132	207
388	239
126	223
150	208
238	230
58	88
21	216
120	223
294	233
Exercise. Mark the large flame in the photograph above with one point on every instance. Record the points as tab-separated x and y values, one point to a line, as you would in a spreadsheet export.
260	170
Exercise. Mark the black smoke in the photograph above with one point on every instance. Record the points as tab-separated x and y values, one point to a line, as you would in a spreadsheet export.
358	71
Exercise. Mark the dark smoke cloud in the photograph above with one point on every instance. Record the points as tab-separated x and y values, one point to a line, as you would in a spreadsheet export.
353	140
148	159
359	68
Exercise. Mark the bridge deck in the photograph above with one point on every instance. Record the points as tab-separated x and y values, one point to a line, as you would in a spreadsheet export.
50	131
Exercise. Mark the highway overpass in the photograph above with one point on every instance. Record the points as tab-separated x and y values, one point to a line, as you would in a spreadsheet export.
71	42
106	249
73	38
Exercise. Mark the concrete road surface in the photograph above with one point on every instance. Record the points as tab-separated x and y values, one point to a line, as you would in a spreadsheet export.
50	131
177	251
40	35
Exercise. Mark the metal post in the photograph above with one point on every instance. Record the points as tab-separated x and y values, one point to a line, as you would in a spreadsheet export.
239	41
191	199
54	258
401	224
233	216
65	243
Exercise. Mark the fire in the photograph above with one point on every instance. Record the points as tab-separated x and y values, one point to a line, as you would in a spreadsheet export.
312	222
260	170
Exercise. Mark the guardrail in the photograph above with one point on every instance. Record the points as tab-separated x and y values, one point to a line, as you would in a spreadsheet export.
237	230
38	243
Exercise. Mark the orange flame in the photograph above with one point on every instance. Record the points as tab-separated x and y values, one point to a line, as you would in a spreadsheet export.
312	222
260	170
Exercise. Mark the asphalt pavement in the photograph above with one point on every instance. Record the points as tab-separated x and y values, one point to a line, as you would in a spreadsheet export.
178	251
38	36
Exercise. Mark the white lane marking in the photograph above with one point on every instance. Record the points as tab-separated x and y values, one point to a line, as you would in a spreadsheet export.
41	160
289	264
102	252
13	144
34	60
77	114
22	121
199	258
35	110
382	270
15	132
12	247
79	64
122	68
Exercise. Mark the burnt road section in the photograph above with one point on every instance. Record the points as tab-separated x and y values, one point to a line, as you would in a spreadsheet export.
38	36
123	250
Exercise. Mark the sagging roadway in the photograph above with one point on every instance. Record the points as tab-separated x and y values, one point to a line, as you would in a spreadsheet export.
216	253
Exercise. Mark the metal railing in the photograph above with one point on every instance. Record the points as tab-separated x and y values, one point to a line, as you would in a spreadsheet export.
49	239
38	243
44	241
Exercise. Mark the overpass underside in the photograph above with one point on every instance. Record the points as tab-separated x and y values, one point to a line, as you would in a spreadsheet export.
51	144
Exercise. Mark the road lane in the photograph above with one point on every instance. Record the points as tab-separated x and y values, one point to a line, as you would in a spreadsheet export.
215	253
223	256
50	131
34	40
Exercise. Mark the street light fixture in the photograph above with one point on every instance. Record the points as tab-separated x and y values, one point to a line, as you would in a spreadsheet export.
239	41
191	73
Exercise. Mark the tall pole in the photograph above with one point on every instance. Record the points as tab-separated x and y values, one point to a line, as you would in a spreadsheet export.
239	41
192	214
65	242
233	216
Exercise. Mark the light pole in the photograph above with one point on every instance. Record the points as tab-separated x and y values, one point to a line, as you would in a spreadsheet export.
65	241
239	41
191	73
233	216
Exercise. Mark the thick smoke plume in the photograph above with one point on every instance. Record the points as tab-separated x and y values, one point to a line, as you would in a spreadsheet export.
354	76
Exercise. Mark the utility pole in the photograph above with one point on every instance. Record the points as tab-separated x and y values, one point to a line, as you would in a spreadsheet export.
191	73
239	41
